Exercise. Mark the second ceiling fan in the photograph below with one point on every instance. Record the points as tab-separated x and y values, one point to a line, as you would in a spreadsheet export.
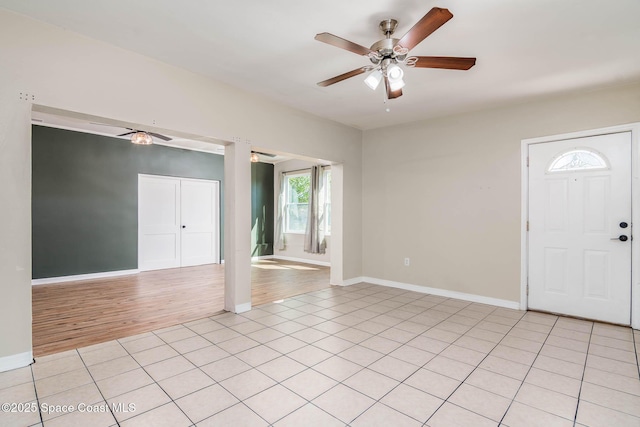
387	54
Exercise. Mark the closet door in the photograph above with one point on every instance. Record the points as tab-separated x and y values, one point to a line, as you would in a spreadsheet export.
158	222
199	237
178	222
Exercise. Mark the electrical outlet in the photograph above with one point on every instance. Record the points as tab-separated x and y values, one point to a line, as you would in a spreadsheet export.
407	261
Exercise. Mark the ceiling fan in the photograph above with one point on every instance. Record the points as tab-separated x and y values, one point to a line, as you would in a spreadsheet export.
255	156
140	137
387	54
153	134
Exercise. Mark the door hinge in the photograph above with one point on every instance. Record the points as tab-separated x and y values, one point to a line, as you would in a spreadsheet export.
527	290
527	161
527	225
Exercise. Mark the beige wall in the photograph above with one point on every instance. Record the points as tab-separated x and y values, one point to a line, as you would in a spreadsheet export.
70	72
446	192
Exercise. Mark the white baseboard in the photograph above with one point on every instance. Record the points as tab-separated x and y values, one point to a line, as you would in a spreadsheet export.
16	361
514	305
303	260
242	308
63	279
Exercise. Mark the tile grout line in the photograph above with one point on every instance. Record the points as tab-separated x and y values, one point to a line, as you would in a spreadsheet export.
449	344
156	381
474	369
355	344
637	350
35	389
194	368
451	314
437	354
96	384
528	371
575	417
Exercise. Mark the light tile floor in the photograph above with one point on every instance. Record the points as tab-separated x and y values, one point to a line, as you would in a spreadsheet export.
363	355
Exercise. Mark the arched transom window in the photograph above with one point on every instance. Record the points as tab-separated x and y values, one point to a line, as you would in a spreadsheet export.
578	159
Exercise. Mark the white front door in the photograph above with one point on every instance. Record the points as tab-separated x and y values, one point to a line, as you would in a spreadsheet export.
580	227
178	222
199	222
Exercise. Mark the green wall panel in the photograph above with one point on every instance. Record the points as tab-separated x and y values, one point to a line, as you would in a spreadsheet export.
262	213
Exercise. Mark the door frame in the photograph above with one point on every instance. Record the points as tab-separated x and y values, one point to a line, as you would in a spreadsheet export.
634	128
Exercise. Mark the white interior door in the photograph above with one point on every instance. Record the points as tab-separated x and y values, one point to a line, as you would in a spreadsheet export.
580	227
199	222
178	222
158	222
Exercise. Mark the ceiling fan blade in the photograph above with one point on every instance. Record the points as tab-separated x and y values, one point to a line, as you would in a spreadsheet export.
344	76
342	43
128	133
159	136
448	62
391	94
430	22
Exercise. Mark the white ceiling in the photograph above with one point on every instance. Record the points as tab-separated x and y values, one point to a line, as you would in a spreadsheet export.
525	48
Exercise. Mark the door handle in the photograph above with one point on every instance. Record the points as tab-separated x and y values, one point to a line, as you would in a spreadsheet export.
622	238
184	226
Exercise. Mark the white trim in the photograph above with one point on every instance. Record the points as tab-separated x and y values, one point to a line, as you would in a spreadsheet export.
16	361
242	308
524	217
63	279
303	260
634	128
349	282
444	293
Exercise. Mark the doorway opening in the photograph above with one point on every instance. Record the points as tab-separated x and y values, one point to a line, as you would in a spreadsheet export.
128	285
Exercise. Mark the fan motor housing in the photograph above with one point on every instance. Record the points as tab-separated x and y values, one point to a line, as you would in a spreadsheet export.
384	47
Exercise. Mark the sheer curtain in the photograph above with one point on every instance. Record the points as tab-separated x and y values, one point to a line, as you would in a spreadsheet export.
314	241
280	243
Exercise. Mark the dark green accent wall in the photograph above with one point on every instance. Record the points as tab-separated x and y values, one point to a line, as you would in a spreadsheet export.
262	221
85	198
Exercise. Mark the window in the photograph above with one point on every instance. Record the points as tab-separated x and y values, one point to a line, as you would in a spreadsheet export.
576	160
297	202
297	193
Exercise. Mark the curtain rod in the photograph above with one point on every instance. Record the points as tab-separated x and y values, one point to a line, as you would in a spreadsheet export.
304	170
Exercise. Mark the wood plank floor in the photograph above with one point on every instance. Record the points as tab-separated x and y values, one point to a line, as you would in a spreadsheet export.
77	314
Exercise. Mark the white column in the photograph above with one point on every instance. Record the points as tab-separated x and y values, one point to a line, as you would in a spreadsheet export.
15	241
237	227
337	240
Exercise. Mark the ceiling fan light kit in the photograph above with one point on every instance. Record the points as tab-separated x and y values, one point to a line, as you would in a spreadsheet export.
373	79
387	55
141	138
